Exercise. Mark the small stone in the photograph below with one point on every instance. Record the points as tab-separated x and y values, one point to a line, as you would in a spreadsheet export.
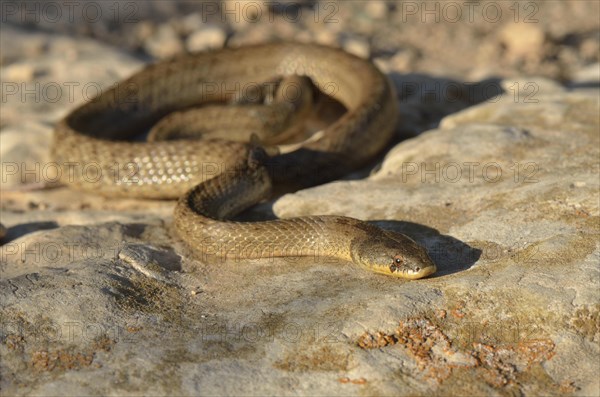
358	47
192	23
209	38
258	34
382	64
590	48
240	13
164	43
403	60
23	149
304	37
588	74
523	40
327	37
18	72
149	261
143	30
376	9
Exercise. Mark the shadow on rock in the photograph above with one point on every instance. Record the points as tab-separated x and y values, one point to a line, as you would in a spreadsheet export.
425	100
14	232
449	254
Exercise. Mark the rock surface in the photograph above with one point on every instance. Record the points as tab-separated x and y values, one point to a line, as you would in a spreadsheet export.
98	297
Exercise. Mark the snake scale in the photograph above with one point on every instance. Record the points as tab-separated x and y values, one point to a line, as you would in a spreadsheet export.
215	179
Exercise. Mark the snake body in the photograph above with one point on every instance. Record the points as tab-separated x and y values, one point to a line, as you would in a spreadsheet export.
215	179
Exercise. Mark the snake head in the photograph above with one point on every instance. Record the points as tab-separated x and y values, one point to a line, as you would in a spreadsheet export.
393	254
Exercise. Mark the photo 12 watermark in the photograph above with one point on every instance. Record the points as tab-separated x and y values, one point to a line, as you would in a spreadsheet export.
130	12
469	172
468	11
55	12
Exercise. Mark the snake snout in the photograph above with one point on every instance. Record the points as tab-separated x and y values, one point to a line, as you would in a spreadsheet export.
420	271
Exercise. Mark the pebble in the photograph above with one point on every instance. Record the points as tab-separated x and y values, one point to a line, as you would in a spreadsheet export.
358	47
192	23
326	37
589	74
376	9
18	156
590	48
18	72
240	14
403	60
211	37
523	40
143	30
164	43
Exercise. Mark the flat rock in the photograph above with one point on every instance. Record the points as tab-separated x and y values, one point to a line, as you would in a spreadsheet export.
517	184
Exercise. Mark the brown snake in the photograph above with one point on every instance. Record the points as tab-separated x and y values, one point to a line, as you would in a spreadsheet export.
92	140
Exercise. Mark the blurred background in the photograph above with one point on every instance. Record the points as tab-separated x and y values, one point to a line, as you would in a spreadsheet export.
468	40
442	56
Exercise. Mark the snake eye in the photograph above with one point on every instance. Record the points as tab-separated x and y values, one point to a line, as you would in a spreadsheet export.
396	264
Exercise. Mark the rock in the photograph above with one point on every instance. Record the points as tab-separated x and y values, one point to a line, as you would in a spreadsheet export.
523	40
143	31
56	88
241	15
357	46
376	9
164	43
209	38
192	23
590	76
517	183
151	261
23	161
403	60
254	35
19	72
14	51
591	47
529	90
325	37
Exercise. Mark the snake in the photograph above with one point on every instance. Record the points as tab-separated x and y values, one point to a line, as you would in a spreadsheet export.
214	179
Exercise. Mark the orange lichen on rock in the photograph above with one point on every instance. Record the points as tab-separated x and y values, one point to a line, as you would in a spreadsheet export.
359	381
436	358
48	361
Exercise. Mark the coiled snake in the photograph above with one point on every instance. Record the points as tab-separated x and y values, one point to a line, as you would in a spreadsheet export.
100	132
